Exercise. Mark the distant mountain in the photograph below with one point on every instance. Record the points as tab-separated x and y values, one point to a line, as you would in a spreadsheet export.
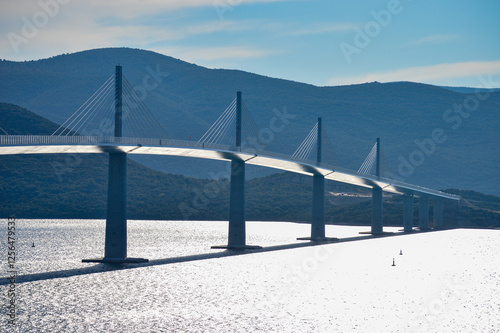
428	135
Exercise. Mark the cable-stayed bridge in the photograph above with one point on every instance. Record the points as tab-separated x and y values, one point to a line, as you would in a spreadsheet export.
116	122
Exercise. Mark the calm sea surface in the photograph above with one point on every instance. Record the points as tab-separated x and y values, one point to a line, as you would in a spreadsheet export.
289	287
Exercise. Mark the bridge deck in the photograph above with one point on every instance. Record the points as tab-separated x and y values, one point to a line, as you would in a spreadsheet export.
21	144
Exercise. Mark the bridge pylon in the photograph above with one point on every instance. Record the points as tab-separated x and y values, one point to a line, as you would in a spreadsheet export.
318	204
237	223
115	244
377	214
377	200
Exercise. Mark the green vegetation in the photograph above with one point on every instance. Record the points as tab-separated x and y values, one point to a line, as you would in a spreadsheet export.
14	120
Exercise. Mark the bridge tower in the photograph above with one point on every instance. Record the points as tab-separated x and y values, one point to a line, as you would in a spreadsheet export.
237	230
377	200
318	208
115	246
318	204
237	223
116	212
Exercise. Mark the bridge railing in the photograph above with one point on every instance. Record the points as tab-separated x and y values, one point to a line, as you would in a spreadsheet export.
58	140
45	139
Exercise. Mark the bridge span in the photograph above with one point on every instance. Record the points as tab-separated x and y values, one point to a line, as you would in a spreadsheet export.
117	147
39	144
120	146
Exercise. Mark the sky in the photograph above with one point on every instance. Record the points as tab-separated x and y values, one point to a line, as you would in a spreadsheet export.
320	42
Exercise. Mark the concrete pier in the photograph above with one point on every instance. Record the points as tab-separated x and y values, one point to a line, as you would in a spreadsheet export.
318	208
116	219
237	230
438	213
377	211
423	213
408	204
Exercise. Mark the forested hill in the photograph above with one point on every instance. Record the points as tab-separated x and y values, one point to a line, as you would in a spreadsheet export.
187	99
15	120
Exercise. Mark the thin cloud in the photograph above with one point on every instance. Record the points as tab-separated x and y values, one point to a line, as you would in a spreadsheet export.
428	74
434	39
133	8
216	53
118	8
323	29
110	23
216	26
52	40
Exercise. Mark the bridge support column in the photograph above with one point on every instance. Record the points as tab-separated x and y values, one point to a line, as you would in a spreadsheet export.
115	243
438	213
377	211
116	219
237	230
237	223
408	203
318	212
318	208
423	213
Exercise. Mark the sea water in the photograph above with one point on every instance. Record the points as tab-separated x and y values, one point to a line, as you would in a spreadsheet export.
443	281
